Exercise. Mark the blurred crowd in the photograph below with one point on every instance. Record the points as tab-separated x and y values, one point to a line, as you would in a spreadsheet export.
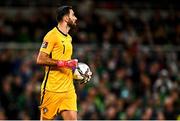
123	25
133	55
20	85
131	83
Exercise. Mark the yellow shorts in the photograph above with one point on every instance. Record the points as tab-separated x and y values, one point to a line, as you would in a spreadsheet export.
55	102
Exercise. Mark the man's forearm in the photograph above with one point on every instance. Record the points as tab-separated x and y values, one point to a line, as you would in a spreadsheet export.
44	59
47	62
60	63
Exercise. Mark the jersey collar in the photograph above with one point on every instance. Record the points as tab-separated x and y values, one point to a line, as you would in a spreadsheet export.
61	31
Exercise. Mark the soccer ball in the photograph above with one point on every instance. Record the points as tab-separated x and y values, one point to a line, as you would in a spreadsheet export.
82	71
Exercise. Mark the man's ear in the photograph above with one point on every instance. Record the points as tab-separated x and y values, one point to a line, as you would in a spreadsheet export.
66	18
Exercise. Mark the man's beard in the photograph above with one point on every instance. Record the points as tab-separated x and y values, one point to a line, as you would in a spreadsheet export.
72	25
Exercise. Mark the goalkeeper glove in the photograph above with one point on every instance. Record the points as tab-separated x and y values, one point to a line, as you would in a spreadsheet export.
69	64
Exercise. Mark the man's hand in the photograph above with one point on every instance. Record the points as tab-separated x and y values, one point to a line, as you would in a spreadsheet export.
68	64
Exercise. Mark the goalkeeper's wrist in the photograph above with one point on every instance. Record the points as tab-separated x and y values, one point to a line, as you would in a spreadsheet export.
70	63
62	63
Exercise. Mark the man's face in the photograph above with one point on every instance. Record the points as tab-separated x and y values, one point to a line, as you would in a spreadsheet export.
72	19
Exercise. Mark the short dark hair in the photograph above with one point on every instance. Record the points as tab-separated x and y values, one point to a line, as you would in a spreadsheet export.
62	11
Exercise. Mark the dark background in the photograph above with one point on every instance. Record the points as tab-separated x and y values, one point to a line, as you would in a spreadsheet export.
132	48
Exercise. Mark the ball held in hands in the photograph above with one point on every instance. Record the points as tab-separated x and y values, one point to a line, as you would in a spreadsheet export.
82	73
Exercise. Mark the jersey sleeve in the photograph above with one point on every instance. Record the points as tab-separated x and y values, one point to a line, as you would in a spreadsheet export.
48	44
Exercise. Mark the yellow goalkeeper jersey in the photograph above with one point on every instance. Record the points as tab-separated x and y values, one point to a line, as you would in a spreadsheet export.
59	47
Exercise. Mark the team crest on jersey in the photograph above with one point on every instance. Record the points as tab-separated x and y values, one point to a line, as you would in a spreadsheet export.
44	44
45	110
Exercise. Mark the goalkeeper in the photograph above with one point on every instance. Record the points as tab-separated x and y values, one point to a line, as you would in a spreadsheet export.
57	90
